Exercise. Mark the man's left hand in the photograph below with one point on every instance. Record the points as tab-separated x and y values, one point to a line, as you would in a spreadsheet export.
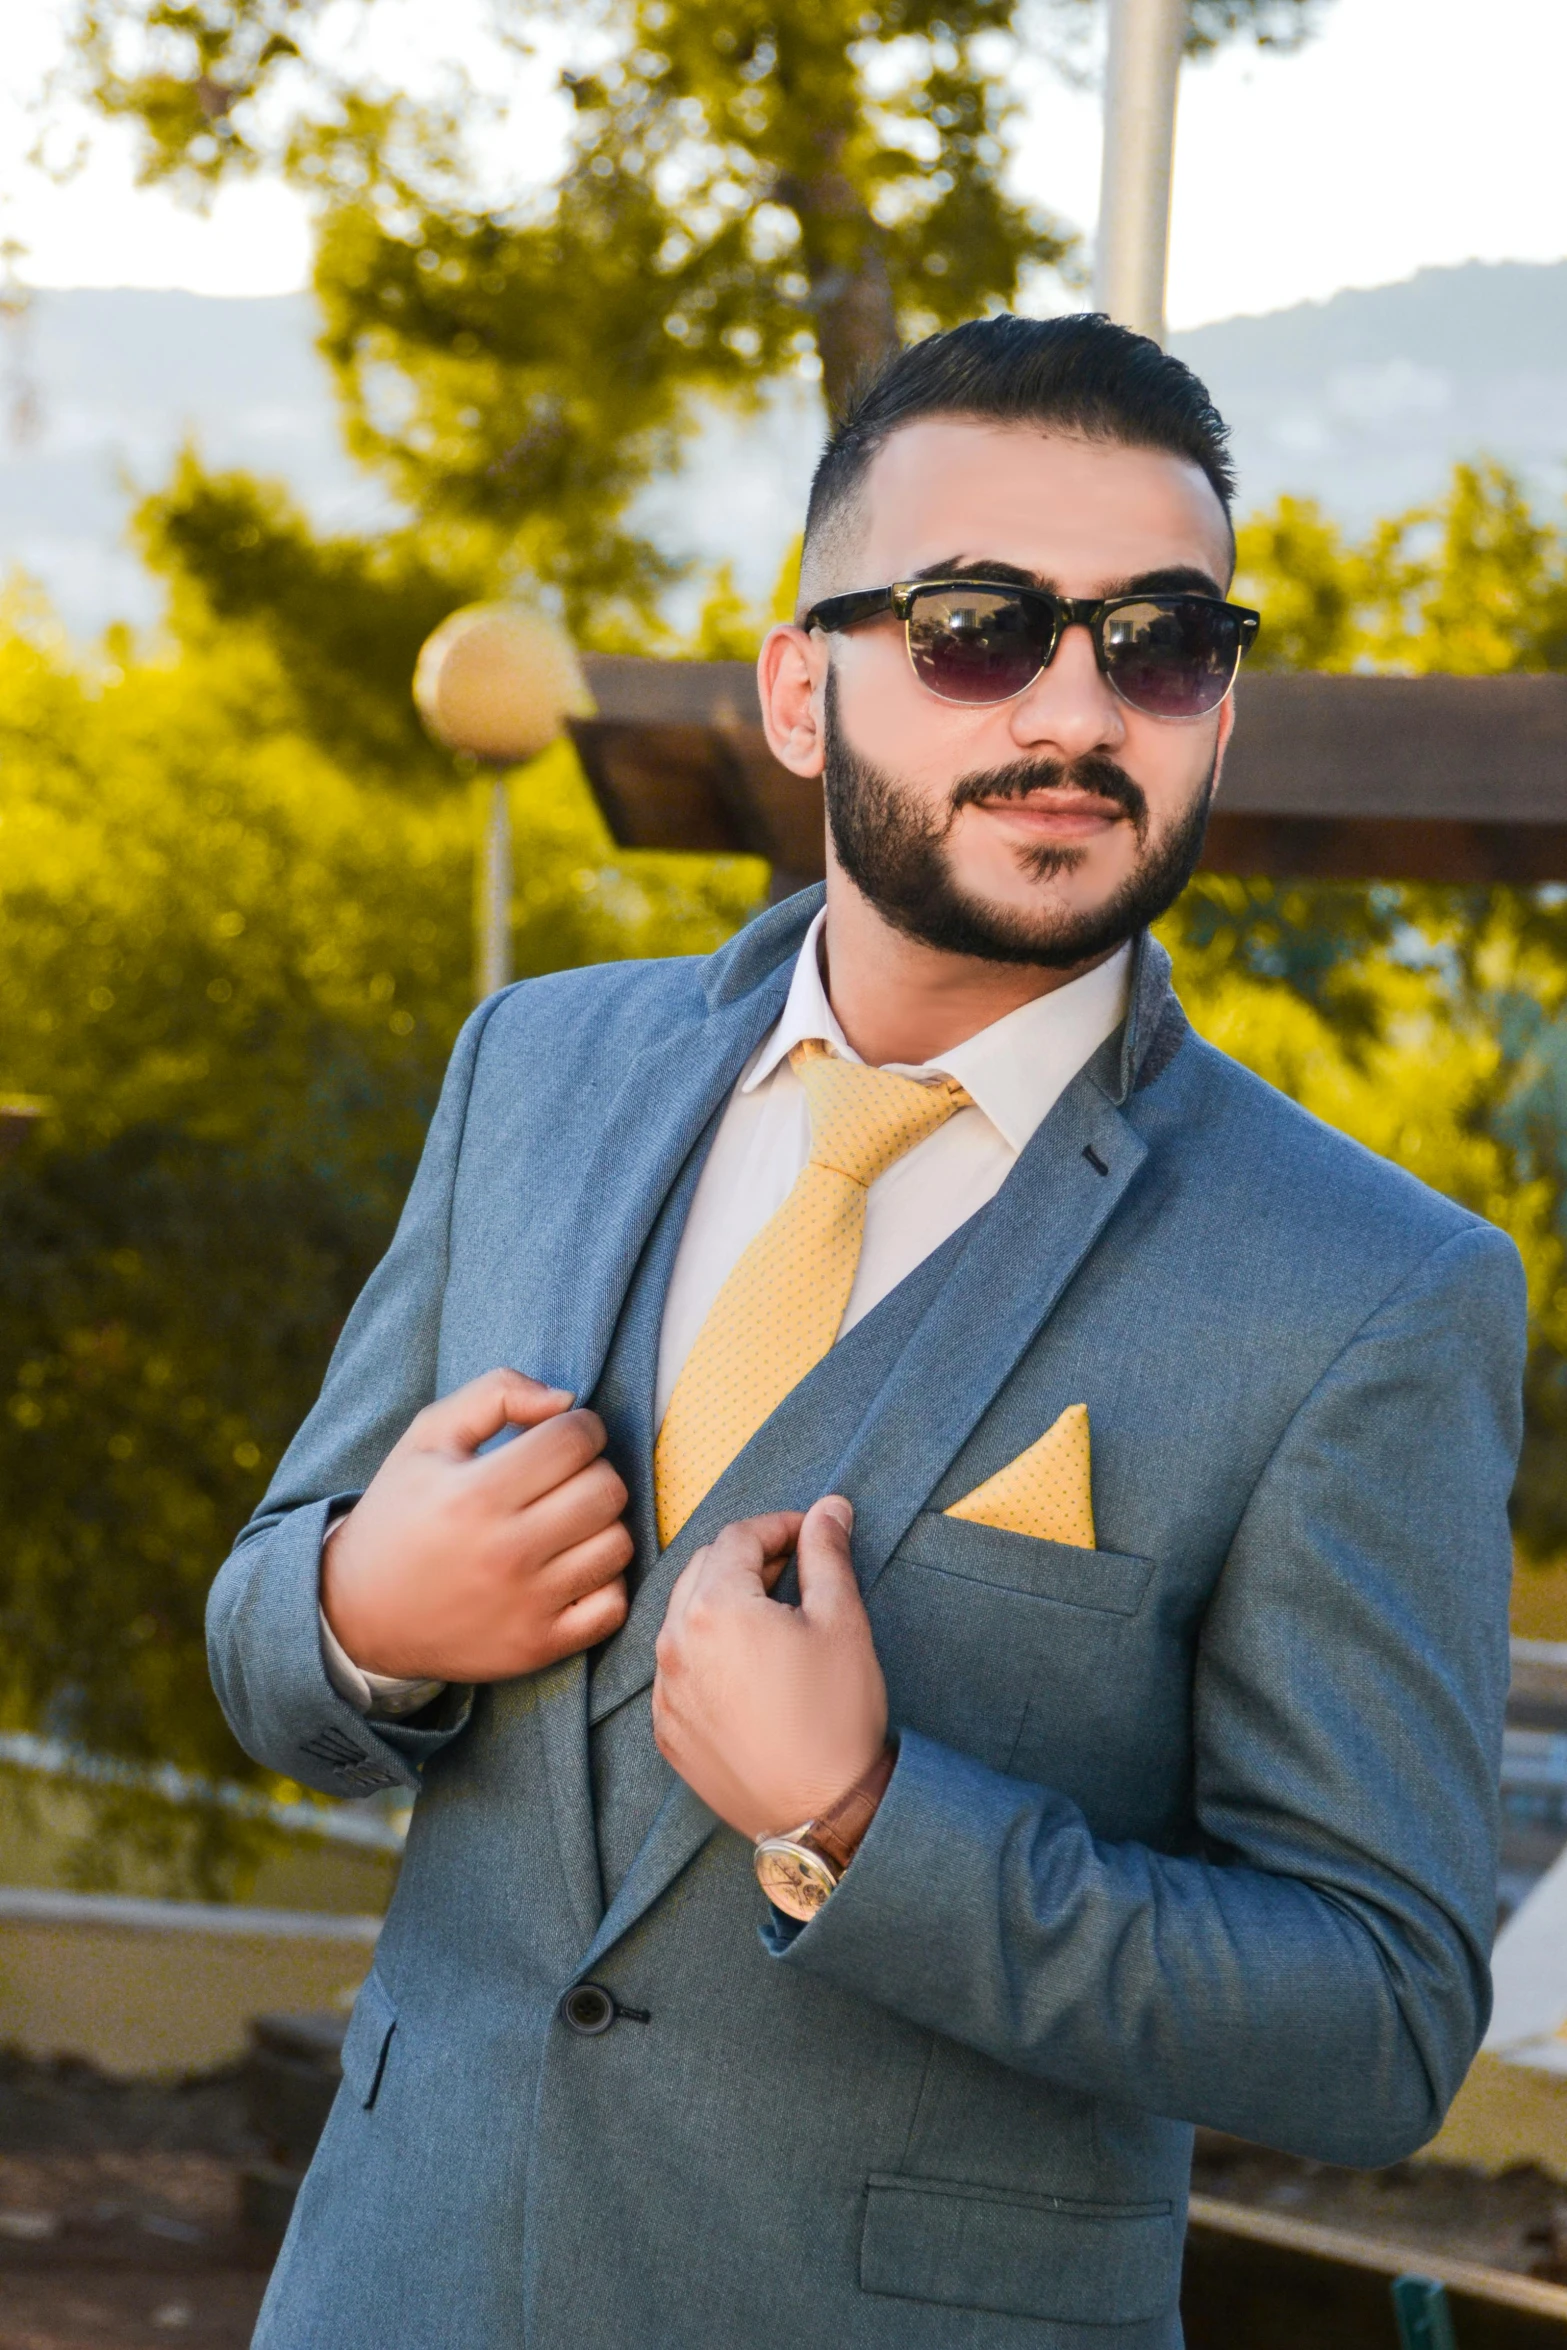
769	1712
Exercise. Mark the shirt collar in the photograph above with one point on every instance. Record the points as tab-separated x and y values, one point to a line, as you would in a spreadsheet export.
1015	1071
806	1013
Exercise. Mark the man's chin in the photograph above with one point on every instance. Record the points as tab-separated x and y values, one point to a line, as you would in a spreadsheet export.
1046	928
1044	905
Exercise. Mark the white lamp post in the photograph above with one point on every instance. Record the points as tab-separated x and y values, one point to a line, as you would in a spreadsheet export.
1132	250
498	682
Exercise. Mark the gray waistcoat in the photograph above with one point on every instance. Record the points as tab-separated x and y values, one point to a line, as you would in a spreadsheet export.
630	1777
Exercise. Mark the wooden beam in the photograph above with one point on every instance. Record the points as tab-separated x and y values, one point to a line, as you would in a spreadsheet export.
1395	778
1303	848
1457	779
1256	2278
705	693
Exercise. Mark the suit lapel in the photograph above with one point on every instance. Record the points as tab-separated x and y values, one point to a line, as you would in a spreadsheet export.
563	1731
669	1097
681	1828
1046	1217
792	1457
623	1397
1021	1252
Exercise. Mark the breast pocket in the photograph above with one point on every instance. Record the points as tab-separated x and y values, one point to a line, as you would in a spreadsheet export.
972	1623
1107	1580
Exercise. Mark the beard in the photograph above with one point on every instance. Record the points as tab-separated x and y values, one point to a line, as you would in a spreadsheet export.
894	849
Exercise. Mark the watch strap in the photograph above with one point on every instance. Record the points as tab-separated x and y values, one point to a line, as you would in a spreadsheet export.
838	1832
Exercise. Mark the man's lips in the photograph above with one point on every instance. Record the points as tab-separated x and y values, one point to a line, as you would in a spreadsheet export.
1057	814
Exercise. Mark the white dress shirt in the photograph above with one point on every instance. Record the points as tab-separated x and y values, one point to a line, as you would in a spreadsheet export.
1014	1072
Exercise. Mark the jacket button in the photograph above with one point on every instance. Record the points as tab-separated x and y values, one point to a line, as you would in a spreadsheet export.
587	2010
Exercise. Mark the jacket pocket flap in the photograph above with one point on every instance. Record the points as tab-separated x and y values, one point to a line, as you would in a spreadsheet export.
367	2039
1020	2255
1022	1562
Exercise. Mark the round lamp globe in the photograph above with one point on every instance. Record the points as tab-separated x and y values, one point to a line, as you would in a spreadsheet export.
499	682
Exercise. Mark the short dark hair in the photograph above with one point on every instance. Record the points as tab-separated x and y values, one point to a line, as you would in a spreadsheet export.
1082	374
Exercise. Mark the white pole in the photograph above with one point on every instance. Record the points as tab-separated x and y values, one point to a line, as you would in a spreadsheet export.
1134	188
495	887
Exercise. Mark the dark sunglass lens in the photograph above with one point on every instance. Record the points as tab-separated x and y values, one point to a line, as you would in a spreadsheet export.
975	645
1175	659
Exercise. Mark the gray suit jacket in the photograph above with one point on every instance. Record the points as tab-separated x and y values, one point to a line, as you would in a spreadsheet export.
1194	1827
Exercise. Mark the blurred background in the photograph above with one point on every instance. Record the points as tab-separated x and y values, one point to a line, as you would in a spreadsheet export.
321	320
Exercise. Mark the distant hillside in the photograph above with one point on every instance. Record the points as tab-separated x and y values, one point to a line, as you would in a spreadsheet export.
1366	401
117	380
1363	401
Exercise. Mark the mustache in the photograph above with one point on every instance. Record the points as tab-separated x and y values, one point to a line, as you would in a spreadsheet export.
1093	773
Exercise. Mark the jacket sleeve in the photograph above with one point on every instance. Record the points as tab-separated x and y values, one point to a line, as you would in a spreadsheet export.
1313	1973
263	1637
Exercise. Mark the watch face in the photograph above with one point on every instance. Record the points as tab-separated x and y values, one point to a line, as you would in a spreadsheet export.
794	1879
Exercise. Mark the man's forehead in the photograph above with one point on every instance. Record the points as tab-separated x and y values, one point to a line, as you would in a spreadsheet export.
1078	513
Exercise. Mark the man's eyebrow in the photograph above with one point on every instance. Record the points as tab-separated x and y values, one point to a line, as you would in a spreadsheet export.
1176	579
1006	574
1172	580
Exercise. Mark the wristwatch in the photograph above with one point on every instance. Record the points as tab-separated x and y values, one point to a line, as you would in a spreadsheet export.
799	1870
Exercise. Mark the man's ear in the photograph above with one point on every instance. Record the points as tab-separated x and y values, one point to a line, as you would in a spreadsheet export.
791	672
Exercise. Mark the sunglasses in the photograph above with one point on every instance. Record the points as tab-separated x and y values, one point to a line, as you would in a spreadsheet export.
981	641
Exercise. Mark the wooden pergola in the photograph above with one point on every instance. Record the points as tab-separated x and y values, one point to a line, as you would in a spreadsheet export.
1329	778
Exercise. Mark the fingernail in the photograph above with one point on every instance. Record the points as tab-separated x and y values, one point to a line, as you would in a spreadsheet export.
837	1507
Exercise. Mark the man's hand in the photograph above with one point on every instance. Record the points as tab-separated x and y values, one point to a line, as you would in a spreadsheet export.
453	1567
768	1712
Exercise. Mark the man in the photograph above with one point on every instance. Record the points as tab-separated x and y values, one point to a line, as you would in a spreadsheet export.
1124	1754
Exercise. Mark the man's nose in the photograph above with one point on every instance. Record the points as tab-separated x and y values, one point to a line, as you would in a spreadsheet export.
1069	709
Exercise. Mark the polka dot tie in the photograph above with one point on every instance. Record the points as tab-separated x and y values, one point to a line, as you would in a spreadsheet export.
779	1311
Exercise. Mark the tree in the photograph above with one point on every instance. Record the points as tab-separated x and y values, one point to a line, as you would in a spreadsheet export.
1471	586
1455	1000
235	945
753	188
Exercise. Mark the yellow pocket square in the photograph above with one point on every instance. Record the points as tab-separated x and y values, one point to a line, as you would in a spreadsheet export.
1045	1492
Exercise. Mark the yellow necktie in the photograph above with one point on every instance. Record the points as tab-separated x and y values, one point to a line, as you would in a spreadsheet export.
778	1312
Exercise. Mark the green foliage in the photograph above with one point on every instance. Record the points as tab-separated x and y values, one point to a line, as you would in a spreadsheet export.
730	629
1272	24
342	618
235	945
1314	587
1472	587
227	978
749	190
1431	1023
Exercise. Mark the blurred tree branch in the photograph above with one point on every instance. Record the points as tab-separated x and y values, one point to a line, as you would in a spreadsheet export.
752	189
235	936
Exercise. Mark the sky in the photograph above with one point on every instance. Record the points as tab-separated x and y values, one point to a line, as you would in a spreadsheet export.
1410	134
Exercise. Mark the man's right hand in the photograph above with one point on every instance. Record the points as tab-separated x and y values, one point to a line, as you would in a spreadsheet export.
454	1566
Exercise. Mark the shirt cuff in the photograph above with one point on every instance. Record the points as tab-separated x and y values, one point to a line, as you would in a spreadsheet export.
383	1697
